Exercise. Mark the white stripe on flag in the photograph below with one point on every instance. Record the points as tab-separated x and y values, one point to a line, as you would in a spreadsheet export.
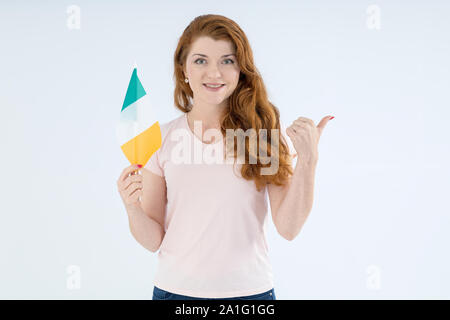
135	119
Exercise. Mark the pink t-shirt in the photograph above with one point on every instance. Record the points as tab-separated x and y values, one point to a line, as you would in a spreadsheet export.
215	243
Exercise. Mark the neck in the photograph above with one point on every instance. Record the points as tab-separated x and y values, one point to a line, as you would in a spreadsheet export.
209	115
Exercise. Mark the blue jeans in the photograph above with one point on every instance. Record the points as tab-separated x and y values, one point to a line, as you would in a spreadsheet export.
160	294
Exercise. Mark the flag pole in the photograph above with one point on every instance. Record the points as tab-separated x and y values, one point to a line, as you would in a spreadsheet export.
135	127
135	123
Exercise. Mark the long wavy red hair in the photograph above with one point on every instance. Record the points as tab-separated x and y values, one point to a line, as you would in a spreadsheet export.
248	106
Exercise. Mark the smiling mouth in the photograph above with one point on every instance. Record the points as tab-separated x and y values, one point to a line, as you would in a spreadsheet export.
214	89
214	86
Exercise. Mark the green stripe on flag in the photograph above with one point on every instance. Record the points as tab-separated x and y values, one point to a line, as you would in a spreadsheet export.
135	90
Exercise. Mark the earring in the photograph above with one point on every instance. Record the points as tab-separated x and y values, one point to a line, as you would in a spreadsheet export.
186	80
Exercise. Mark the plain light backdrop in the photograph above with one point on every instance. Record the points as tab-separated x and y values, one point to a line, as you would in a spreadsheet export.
379	228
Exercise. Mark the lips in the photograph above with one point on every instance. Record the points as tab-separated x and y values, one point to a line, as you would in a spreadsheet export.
214	84
214	89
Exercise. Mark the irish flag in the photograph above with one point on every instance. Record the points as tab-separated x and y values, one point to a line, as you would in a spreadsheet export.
138	131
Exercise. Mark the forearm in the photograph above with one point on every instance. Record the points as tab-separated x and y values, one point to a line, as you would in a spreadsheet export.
148	232
298	201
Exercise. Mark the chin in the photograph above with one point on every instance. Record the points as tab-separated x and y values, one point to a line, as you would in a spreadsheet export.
213	101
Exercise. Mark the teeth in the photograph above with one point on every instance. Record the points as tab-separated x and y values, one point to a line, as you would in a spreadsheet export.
211	86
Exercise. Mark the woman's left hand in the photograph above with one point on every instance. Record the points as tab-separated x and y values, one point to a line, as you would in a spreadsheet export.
305	136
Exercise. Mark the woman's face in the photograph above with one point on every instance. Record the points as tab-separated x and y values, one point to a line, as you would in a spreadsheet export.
213	62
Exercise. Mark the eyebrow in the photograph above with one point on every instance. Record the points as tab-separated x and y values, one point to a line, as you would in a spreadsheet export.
204	55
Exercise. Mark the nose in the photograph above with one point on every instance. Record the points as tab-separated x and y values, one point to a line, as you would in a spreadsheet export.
213	72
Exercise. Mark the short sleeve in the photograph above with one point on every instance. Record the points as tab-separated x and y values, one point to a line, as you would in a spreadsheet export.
154	165
292	150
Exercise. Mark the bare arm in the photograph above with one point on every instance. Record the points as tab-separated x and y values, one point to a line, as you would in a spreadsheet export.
292	203
144	196
148	232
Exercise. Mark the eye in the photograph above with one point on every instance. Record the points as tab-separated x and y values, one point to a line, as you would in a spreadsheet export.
204	60
198	60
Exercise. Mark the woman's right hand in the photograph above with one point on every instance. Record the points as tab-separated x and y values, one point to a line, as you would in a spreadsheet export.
130	185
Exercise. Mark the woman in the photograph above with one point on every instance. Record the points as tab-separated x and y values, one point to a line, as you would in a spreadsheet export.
208	220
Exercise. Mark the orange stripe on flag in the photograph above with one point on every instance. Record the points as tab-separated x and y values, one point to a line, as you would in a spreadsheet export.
139	149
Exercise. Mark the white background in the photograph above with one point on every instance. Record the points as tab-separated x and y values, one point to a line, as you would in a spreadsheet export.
379	228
